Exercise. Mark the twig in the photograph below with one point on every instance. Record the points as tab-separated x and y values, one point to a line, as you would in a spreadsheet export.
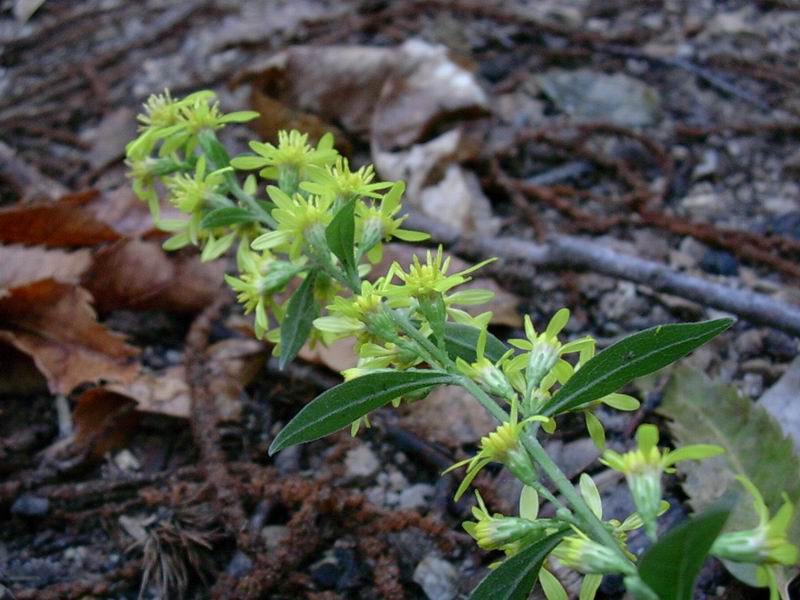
568	252
25	178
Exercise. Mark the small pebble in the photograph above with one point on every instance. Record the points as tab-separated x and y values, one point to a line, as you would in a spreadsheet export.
29	505
437	578
719	262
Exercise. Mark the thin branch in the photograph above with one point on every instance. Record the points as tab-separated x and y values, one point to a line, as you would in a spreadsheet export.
579	254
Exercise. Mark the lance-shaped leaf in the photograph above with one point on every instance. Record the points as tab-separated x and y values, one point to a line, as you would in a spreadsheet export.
514	579
338	407
460	341
213	149
632	357
299	319
670	567
340	234
224	217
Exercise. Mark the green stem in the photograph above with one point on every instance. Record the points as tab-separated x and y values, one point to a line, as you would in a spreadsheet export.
591	525
252	205
485	399
430	352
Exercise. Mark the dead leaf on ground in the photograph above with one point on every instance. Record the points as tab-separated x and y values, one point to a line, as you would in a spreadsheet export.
449	416
55	324
21	265
232	364
104	421
139	275
396	95
66	222
339	356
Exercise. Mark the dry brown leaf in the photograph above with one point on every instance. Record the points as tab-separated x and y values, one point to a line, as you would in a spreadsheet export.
68	222
232	364
337	357
398	95
55	324
139	275
20	265
104	421
448	416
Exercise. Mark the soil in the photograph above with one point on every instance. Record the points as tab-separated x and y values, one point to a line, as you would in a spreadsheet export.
195	508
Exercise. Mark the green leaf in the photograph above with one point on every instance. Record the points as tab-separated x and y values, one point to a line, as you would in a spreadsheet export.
704	411
515	577
461	340
224	217
213	149
632	357
340	235
297	323
670	567
338	407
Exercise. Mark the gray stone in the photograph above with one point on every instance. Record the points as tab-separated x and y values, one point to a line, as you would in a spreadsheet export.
783	402
29	505
361	463
437	578
415	496
590	95
273	536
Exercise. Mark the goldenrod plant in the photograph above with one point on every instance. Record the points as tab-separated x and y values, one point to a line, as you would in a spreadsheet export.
308	230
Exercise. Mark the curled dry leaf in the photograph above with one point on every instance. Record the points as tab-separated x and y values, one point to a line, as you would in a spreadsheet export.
232	364
68	222
55	324
20	265
138	275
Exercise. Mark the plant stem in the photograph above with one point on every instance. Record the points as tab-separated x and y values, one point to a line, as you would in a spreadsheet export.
590	523
485	399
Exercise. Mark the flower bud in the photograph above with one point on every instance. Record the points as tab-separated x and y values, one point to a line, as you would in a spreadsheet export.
589	557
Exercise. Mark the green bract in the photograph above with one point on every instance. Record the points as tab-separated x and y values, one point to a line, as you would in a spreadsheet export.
307	231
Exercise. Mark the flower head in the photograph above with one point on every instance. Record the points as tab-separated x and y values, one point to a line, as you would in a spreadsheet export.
486	373
379	223
644	467
343	184
260	277
766	546
541	359
503	445
289	161
190	192
356	314
493	532
300	220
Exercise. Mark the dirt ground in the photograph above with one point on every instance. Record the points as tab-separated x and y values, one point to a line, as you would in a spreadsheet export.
664	129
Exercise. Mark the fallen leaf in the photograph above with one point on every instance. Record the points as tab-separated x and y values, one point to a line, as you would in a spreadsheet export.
140	275
449	416
397	95
232	364
20	265
707	412
20	375
782	401
104	422
55	324
165	392
340	355
66	222
107	140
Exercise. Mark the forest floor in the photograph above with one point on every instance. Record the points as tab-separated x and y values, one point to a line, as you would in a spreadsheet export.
662	129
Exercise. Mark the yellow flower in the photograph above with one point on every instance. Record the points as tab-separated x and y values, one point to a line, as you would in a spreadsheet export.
493	532
339	181
425	281
541	359
260	277
644	467
300	220
377	224
190	193
485	373
353	315
289	160
503	445
766	546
